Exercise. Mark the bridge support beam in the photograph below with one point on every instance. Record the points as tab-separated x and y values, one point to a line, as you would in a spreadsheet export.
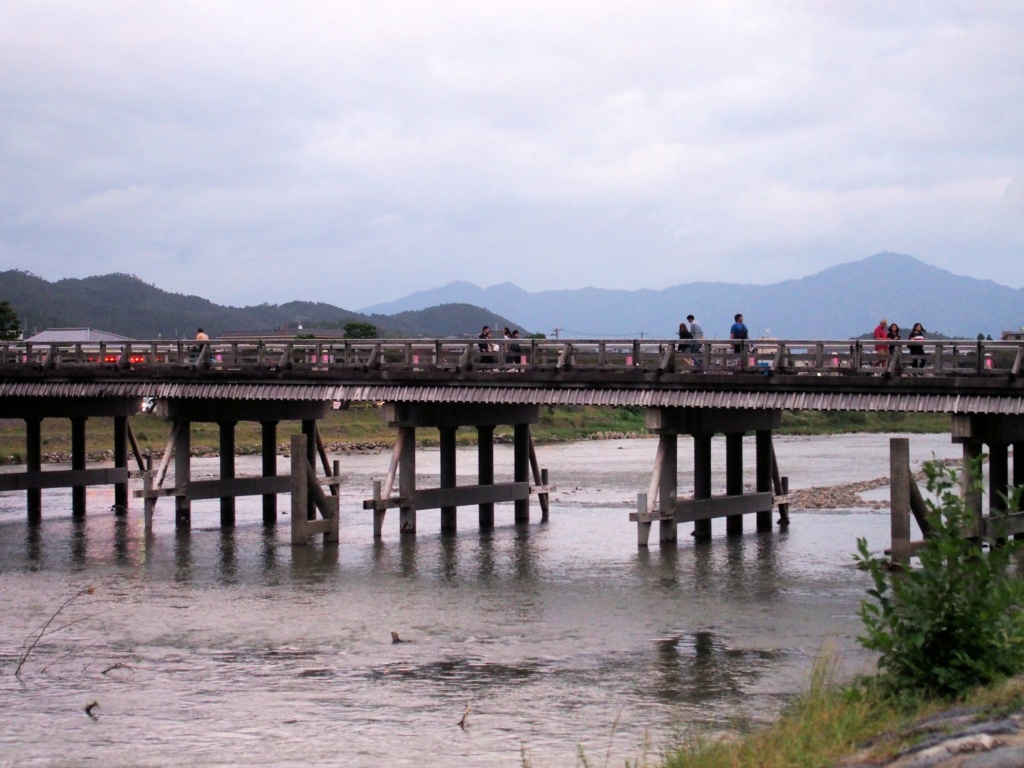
447	418
662	501
226	413
998	432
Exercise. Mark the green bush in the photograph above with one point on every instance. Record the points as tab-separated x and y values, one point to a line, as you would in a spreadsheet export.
955	622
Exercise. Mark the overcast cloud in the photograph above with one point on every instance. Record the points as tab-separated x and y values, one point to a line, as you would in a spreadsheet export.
353	152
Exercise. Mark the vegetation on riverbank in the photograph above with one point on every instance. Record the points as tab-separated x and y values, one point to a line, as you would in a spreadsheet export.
362	426
948	631
828	723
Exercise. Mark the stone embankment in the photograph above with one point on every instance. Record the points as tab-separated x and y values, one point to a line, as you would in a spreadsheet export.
962	737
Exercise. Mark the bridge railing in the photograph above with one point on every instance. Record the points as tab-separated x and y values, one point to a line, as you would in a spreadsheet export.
795	357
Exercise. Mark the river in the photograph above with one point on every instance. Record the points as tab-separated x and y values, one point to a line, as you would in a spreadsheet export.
231	647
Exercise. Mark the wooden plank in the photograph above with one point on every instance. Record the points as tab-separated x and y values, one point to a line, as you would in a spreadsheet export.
394	502
690	510
63	478
1004	525
462	496
157	493
238	486
320	525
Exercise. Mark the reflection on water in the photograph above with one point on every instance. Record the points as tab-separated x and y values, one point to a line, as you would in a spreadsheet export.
231	646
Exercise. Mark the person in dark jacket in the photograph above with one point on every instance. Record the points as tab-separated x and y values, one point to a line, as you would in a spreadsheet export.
917	350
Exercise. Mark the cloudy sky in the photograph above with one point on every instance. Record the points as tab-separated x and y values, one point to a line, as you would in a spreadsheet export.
354	152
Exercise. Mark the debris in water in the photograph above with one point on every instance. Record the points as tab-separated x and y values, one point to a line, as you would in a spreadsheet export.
462	721
89	709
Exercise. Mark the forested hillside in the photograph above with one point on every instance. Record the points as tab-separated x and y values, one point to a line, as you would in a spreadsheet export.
125	305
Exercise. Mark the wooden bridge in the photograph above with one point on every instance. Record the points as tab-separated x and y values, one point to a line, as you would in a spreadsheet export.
696	389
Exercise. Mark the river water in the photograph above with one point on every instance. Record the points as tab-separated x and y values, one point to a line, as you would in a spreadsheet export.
231	647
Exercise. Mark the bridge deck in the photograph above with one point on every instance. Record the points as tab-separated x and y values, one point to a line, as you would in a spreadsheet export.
944	376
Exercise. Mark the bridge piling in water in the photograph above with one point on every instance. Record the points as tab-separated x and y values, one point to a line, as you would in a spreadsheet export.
226	413
974	432
662	503
32	411
406	418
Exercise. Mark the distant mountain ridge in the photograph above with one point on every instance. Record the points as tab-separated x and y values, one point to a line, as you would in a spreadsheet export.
125	305
839	302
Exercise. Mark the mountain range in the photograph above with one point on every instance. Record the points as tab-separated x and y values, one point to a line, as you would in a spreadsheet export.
125	305
837	303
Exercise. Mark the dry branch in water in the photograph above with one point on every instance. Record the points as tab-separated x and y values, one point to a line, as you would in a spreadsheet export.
42	630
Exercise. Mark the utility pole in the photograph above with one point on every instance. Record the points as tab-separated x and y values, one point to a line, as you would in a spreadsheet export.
555	331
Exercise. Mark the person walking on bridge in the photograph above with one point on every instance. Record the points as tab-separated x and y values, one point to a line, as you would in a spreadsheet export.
486	350
738	332
698	336
881	350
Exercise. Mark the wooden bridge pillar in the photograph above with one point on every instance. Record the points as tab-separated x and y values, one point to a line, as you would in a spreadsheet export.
34	463
668	487
448	477
309	432
521	471
121	462
702	424
998	432
763	473
407	480
734	478
268	435
702	482
226	413
227	471
182	472
998	478
485	471
447	418
78	463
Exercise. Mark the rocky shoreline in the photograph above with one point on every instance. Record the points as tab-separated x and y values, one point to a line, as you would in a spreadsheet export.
960	737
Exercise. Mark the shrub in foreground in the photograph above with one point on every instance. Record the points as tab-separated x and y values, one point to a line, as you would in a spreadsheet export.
955	622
